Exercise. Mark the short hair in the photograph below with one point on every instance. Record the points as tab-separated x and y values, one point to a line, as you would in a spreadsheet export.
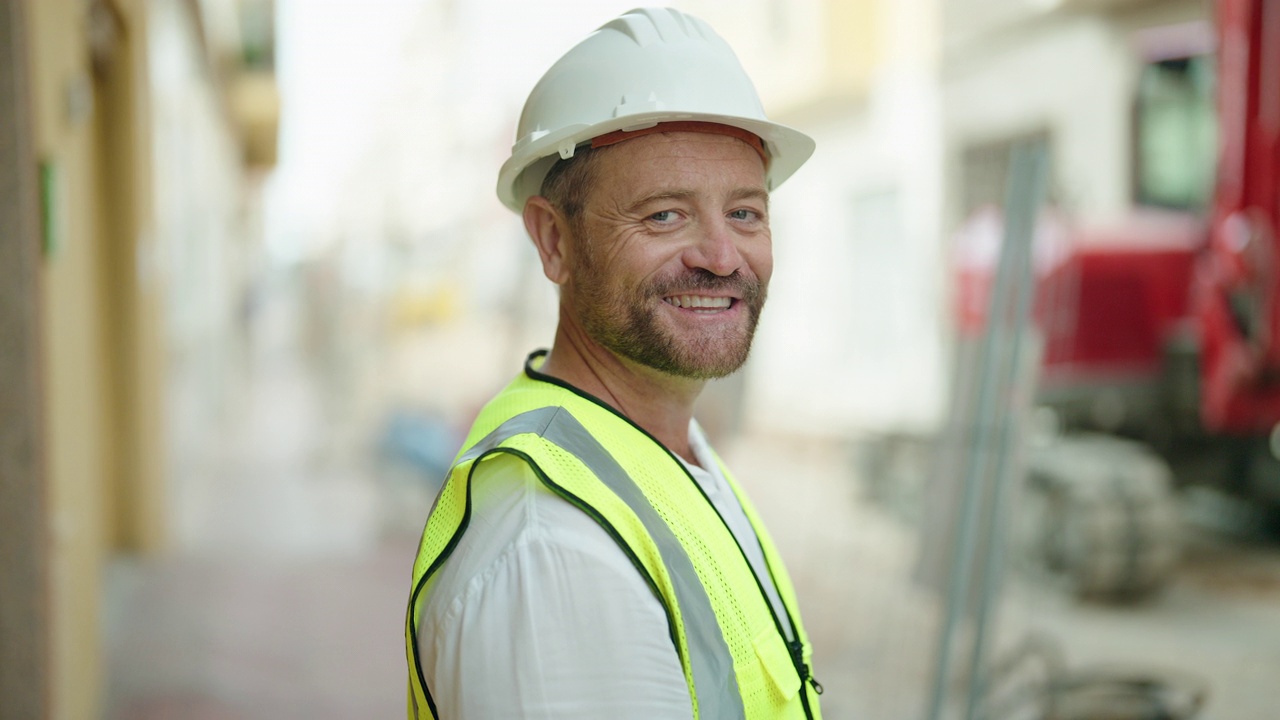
567	182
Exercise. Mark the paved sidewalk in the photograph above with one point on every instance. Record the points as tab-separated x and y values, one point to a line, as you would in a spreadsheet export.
245	638
284	595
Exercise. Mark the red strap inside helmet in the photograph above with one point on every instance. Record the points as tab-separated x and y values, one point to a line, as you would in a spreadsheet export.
698	126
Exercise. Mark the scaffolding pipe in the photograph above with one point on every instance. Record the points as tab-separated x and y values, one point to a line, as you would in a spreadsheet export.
1025	190
1019	231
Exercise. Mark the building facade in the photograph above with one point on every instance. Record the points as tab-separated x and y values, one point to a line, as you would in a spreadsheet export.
94	124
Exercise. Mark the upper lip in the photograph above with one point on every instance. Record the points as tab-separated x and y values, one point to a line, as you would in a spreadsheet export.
702	293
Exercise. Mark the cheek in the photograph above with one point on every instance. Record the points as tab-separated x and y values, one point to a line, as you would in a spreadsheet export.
611	272
759	257
634	259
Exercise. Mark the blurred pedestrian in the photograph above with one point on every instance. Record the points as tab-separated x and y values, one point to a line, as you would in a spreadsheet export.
589	556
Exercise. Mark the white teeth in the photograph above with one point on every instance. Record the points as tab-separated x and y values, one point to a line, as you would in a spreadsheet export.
699	301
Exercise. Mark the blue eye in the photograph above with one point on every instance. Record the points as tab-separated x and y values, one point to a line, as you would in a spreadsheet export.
743	214
663	216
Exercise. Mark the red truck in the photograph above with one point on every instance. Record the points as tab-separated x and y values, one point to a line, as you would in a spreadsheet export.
1160	338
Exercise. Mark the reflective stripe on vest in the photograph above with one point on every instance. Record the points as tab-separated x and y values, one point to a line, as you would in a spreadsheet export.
715	683
713	676
598	460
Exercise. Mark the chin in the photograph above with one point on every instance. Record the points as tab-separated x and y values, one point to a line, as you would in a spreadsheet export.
700	364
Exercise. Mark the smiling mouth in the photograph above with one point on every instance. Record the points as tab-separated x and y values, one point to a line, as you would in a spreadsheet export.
699	303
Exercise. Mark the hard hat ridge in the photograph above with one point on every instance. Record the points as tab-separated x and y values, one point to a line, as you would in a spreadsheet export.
646	67
649	25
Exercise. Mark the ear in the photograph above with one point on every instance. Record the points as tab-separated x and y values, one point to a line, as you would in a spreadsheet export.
549	232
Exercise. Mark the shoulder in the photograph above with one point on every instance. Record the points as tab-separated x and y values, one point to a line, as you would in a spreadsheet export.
538	608
520	538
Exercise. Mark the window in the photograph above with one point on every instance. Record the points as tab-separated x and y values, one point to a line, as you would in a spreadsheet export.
1176	131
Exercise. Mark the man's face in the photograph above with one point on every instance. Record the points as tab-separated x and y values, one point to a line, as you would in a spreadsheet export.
671	260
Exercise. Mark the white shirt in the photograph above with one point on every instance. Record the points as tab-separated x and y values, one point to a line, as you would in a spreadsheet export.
539	614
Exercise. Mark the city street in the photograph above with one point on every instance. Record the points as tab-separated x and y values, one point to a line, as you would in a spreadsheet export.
285	596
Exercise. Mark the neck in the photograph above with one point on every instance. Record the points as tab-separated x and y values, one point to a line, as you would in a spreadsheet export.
661	404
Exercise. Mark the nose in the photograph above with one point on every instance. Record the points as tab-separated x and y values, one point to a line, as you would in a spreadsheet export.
716	249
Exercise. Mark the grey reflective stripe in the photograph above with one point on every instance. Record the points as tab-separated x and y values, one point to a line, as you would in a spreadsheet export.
714	680
533	421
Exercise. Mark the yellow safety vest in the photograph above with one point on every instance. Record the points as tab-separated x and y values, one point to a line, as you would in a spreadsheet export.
736	659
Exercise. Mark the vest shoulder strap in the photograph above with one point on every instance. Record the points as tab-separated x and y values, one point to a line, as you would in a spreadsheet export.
573	463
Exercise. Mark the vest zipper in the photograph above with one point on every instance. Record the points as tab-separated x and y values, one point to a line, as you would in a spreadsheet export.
797	657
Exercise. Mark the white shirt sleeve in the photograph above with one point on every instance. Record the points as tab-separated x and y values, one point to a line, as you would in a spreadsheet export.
539	614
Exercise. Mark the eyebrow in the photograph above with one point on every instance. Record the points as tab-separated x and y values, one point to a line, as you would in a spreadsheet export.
751	193
661	195
744	193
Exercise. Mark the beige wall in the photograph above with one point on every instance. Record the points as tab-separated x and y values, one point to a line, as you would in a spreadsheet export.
102	351
855	43
856	239
75	386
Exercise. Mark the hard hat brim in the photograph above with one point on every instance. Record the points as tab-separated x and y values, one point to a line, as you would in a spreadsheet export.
521	175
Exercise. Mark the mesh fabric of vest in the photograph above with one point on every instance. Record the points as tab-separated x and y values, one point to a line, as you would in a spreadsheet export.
767	679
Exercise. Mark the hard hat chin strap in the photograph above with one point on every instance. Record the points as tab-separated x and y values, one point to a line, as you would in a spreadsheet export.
697	126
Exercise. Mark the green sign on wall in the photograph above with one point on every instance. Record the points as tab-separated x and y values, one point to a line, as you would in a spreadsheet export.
50	208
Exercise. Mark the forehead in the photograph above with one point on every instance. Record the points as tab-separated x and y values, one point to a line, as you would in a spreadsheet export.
680	160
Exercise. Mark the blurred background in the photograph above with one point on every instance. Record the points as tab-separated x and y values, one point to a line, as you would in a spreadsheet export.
255	283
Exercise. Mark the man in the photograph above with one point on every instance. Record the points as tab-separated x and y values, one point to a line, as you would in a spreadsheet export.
589	556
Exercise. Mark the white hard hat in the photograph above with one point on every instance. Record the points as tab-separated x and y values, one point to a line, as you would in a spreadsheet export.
645	67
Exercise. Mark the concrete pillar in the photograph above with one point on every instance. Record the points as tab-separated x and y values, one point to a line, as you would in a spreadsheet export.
24	585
